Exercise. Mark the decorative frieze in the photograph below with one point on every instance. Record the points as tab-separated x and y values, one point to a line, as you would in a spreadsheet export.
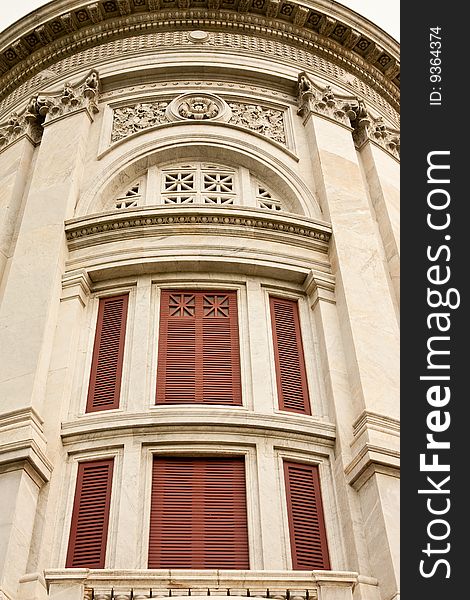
199	107
85	231
367	127
132	119
265	121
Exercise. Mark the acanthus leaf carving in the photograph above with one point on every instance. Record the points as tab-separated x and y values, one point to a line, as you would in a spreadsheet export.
72	98
312	99
367	127
28	123
131	119
265	121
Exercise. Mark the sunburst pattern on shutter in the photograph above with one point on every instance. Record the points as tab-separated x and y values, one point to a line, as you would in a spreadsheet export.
291	376
306	523
199	356
89	527
198	514
108	353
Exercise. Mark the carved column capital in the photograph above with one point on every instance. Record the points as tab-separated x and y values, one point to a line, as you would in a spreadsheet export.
315	100
72	99
366	127
27	123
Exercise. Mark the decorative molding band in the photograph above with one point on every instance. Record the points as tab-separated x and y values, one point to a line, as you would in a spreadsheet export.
369	460
104	226
191	420
320	286
26	455
250	34
76	284
282	584
23	444
369	420
201	107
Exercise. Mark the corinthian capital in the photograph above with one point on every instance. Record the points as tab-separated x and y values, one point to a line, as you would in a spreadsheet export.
321	101
368	127
73	98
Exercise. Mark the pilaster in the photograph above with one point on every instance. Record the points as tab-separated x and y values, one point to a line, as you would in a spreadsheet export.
28	316
366	319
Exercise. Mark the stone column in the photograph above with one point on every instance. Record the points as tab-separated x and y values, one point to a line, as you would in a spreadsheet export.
367	318
379	151
30	304
18	138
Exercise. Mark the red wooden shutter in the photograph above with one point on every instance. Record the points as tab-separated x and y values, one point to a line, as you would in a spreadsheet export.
198	514
108	352
89	528
198	355
306	523
291	377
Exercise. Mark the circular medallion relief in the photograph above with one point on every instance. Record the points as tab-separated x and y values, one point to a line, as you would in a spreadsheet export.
198	106
198	36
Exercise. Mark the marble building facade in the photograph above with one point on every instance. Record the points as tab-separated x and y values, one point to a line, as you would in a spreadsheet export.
194	159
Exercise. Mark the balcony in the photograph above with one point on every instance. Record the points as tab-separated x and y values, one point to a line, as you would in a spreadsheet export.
108	584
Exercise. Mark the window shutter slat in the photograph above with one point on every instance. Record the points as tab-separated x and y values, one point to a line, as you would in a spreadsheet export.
198	355
306	523
198	514
108	353
291	375
90	516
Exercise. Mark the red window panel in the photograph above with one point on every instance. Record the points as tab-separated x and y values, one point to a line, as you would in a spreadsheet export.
90	516
199	354
289	359
198	514
306	523
108	353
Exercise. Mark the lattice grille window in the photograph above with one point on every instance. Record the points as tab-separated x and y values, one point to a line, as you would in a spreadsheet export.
198	184
265	199
131	198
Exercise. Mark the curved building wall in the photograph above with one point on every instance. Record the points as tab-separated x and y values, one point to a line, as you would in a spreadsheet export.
227	175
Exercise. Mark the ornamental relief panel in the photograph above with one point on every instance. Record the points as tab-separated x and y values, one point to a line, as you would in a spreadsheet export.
199	107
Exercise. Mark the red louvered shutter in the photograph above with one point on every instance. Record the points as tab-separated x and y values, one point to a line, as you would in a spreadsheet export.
198	516
291	376
306	523
108	353
198	355
89	527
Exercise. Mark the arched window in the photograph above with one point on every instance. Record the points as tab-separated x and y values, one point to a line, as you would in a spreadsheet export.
201	183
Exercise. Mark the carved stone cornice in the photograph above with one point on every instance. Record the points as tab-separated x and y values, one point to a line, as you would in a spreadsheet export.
87	231
315	100
71	99
24	52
